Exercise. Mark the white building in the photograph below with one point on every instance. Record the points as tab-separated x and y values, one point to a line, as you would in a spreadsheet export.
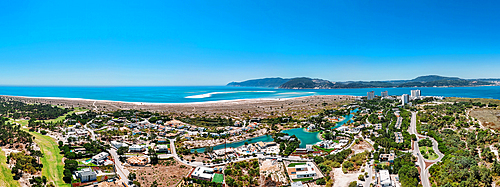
370	95
404	99
297	184
137	148
162	148
99	158
118	144
301	171
385	178
86	175
203	173
415	93
384	94
327	144
343	141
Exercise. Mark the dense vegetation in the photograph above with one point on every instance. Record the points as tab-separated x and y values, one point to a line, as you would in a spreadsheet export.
287	147
355	162
11	134
244	173
468	159
92	148
17	109
24	163
81	118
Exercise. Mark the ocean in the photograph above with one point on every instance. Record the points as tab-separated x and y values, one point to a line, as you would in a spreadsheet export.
190	94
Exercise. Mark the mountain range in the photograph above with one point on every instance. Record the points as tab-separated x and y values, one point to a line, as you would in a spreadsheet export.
313	83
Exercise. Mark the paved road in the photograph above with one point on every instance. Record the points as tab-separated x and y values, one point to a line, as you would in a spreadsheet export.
369	170
420	160
119	167
424	174
92	135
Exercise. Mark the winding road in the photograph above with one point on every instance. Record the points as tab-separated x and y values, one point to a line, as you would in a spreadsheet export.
424	174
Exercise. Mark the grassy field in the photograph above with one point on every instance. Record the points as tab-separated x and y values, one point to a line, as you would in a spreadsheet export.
6	176
22	122
53	166
433	156
218	178
60	118
296	164
302	179
323	149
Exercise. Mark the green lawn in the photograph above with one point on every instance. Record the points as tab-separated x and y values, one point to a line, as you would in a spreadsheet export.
323	149
295	164
302	179
53	166
89	164
22	122
218	178
433	156
6	176
60	118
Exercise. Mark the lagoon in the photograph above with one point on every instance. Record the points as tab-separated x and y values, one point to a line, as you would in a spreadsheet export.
264	138
348	118
304	136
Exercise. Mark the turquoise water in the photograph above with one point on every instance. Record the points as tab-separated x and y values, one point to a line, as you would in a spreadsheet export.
348	118
304	136
264	138
187	94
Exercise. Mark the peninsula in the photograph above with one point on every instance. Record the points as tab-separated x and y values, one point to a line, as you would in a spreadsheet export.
312	83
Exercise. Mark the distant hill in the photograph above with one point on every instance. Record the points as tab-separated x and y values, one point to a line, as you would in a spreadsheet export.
431	78
310	83
265	82
307	83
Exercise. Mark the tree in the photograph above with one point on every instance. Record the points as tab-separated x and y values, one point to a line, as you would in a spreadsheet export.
353	184
38	181
132	176
155	184
67	176
318	159
122	150
71	165
408	175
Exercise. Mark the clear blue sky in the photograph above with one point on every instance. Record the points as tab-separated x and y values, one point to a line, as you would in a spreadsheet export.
215	42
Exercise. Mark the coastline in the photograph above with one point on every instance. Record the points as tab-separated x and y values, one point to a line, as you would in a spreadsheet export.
150	103
254	107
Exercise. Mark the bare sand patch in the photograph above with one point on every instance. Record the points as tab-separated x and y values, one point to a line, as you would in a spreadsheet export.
250	107
343	180
489	118
166	173
361	147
